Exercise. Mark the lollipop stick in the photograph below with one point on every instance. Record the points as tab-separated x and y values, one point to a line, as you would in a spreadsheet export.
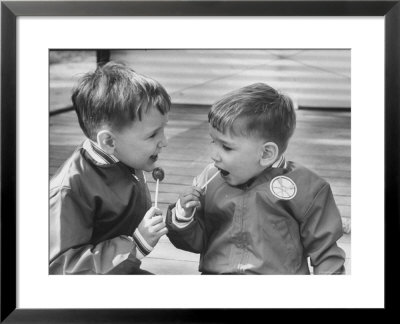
156	198
209	180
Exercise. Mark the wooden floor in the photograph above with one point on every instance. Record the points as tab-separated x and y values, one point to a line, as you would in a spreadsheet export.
311	77
321	142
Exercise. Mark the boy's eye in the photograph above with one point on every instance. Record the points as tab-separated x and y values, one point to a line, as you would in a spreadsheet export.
153	135
226	148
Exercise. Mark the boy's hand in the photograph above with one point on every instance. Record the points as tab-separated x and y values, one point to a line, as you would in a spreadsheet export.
152	226
190	199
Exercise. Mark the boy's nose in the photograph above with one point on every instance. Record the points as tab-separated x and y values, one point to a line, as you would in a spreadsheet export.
163	142
215	156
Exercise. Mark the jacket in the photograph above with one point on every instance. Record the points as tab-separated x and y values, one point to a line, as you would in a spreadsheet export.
270	225
96	204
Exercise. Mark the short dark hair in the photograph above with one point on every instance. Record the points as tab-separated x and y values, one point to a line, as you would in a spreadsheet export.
115	95
263	111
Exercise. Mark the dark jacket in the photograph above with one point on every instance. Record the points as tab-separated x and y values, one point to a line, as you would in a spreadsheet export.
270	225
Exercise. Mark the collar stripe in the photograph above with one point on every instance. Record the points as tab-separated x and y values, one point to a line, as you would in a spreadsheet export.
98	154
281	163
103	154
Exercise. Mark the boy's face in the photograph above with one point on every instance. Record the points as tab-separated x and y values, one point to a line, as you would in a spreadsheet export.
139	144
238	157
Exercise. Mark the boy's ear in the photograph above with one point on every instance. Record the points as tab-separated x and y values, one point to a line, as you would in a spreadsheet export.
270	154
106	141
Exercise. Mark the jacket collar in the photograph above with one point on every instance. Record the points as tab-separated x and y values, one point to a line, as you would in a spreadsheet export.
280	163
98	154
268	172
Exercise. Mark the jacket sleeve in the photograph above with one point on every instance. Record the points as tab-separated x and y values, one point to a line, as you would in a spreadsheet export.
320	229
189	237
71	226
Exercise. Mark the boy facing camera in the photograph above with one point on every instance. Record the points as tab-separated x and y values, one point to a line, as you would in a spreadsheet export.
101	217
261	214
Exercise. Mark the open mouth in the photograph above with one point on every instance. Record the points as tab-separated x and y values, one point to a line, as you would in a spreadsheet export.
224	173
154	157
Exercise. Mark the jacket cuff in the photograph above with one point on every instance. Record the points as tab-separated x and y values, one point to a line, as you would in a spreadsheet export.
142	247
178	216
180	213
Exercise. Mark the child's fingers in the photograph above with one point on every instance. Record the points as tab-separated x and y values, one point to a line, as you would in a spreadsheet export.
190	197
157	219
194	191
149	214
159	226
153	211
198	190
162	231
192	204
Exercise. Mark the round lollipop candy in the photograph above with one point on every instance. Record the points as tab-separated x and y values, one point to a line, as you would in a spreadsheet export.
158	175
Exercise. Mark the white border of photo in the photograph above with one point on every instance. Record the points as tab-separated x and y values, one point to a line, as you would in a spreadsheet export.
363	35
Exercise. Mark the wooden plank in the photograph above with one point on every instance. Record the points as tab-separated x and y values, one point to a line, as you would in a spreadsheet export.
170	266
341	191
317	78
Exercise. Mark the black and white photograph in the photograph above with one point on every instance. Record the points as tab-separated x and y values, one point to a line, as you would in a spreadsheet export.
200	161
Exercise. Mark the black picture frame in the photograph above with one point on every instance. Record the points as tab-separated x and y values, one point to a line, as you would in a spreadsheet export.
10	11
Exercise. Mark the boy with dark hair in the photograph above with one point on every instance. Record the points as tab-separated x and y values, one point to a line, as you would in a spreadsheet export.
261	214
101	218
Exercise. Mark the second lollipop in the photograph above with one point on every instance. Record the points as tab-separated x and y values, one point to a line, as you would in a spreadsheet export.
158	175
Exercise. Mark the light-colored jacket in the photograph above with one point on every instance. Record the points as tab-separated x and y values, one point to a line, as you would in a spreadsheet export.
96	204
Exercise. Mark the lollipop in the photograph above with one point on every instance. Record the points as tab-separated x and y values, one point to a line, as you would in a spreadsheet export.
158	175
209	180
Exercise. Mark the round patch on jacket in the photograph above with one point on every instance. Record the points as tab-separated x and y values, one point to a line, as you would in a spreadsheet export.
283	188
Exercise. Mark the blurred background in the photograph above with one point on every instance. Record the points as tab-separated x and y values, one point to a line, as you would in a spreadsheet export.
317	80
313	78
